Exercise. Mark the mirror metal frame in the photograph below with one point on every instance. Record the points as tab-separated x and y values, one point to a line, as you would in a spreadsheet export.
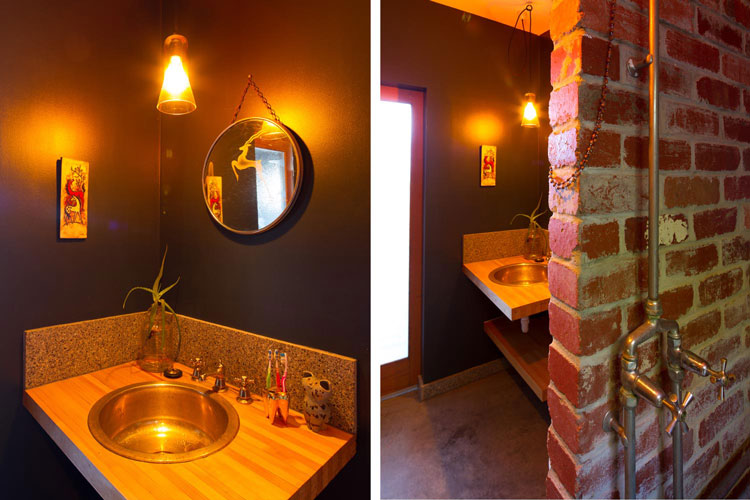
297	182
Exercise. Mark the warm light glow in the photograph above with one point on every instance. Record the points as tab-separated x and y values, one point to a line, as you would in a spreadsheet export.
530	118
175	79
483	128
176	97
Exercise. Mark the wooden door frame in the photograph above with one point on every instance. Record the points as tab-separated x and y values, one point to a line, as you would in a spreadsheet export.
405	372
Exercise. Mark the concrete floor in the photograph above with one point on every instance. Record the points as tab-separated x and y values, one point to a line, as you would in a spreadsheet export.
483	440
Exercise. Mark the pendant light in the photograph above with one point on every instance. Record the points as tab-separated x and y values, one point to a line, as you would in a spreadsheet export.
530	118
176	96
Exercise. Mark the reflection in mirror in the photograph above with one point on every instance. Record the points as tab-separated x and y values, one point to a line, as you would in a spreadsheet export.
252	175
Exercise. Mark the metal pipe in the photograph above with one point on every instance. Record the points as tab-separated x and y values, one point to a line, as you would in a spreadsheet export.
635	339
673	357
653	151
629	402
628	375
677	447
653	309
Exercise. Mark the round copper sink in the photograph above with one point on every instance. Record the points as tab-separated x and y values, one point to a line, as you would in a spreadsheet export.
163	422
521	274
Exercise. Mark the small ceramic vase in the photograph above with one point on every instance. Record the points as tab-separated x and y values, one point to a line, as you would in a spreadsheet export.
317	411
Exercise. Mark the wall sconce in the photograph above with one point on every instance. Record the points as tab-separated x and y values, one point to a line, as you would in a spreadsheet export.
176	96
530	117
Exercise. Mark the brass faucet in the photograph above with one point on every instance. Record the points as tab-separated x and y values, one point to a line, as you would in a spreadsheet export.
220	384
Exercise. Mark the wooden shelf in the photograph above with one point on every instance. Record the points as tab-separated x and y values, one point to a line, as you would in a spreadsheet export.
526	352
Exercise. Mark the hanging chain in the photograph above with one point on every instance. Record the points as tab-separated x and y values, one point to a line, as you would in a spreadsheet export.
557	182
250	82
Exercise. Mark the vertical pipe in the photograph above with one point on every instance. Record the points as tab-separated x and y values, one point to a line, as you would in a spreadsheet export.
677	448
653	151
630	402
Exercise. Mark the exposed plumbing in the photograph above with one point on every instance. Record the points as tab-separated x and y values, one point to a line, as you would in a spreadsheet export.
636	385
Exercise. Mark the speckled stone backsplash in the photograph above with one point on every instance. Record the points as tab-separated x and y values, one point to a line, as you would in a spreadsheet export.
495	245
244	353
53	353
62	351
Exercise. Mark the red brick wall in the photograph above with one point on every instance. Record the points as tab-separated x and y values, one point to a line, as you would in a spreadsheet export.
598	272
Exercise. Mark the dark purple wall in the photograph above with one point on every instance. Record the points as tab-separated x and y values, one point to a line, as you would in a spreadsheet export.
77	79
308	279
473	97
81	80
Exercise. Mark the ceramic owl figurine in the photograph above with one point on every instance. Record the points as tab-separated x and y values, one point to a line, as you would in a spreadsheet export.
317	411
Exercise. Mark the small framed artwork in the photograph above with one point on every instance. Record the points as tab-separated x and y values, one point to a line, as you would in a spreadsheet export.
214	196
74	199
487	171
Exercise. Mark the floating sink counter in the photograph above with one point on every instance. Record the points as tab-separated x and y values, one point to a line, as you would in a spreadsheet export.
515	302
69	367
263	461
527	352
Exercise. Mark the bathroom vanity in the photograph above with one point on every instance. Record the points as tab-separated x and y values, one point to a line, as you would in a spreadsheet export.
68	368
526	351
263	461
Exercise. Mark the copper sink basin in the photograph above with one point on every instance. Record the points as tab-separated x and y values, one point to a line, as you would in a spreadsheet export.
521	274
163	422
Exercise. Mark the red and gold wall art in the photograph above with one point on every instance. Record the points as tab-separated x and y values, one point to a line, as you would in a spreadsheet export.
74	199
487	171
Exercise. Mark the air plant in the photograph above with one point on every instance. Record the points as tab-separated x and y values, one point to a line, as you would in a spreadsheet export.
532	252
533	224
157	295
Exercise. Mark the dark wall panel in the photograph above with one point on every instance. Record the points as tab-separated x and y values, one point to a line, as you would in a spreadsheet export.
306	280
473	97
77	79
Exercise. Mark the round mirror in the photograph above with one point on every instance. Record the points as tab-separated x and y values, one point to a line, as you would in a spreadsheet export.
252	175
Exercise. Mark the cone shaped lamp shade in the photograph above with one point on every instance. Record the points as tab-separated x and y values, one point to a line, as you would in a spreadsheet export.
530	118
176	96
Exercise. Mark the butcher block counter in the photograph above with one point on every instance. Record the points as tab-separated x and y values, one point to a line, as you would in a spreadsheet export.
263	461
515	302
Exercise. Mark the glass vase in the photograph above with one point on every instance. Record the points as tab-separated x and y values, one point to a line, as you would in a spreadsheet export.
158	341
535	246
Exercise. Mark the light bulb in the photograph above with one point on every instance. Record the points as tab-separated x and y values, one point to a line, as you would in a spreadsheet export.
175	78
176	96
530	118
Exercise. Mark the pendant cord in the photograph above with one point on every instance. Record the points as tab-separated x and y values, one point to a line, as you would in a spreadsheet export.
557	182
528	8
251	82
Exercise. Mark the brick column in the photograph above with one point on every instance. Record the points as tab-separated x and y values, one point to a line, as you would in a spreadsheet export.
597	275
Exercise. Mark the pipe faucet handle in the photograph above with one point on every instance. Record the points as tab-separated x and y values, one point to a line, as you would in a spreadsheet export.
197	364
678	411
721	377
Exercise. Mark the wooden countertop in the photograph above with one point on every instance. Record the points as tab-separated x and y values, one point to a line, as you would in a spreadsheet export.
515	302
263	461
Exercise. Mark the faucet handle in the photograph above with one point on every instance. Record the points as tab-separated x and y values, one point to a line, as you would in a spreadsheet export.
220	382
197	364
244	396
721	377
678	411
